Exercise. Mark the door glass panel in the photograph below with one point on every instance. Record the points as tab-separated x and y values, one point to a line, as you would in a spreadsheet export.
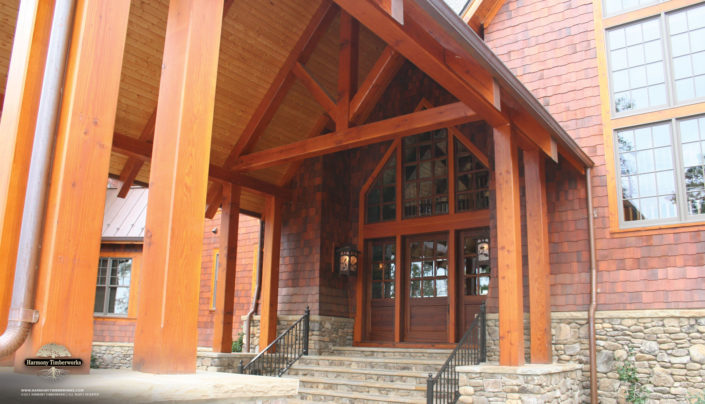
476	259
428	268
383	268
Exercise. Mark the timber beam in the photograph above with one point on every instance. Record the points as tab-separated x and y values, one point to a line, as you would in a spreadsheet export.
427	45
404	125
142	150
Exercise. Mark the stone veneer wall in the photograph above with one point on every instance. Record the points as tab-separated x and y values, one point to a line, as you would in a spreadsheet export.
118	355
530	384
668	345
325	332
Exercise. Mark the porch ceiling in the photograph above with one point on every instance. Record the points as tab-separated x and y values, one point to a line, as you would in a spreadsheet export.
258	41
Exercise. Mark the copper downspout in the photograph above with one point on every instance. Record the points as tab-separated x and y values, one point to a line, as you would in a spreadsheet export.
255	296
593	290
22	314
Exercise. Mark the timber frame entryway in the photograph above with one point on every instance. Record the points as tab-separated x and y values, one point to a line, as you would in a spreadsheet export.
424	238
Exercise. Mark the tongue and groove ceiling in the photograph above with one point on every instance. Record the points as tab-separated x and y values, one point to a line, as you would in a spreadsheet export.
257	37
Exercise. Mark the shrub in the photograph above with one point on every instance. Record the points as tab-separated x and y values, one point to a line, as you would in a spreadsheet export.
237	344
636	392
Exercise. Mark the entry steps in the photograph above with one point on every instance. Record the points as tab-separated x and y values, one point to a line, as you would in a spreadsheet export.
367	375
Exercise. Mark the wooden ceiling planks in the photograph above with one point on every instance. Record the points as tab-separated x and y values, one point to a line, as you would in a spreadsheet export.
8	21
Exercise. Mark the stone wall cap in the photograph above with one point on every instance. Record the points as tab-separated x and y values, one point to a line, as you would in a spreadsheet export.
204	354
529	369
294	317
125	344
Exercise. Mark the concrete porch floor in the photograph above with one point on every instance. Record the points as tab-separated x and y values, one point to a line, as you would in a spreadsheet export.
127	386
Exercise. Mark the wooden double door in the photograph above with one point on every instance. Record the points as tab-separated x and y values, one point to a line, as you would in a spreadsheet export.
426	278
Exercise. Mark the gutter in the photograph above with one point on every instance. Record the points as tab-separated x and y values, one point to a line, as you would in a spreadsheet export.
255	296
22	314
468	40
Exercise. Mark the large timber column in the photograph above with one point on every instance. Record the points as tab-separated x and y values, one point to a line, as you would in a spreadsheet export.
539	264
225	292
511	311
270	271
68	268
166	336
19	116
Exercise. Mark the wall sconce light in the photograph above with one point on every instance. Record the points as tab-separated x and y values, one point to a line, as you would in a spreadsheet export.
346	259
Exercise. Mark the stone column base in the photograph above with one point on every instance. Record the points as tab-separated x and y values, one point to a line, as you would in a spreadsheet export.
528	384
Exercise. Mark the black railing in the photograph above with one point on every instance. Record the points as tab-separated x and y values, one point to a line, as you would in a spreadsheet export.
471	350
278	356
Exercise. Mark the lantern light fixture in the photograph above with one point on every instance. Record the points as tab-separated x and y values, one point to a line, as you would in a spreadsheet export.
346	260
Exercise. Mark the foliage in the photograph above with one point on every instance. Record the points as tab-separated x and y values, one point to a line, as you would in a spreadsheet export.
698	398
94	362
237	344
636	391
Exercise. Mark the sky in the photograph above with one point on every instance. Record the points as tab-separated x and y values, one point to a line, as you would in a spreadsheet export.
456	5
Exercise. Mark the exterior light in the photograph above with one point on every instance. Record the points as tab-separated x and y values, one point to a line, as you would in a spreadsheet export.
346	258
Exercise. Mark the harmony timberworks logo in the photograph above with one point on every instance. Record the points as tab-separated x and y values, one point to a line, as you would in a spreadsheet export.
54	357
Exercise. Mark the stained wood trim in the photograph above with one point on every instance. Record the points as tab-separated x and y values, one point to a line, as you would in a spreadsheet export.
17	126
282	81
395	9
470	146
645	12
371	179
539	264
374	85
453	298
347	68
417	122
318	93
132	167
399	291
213	199
135	148
270	271
509	260
227	266
481	13
457	221
317	129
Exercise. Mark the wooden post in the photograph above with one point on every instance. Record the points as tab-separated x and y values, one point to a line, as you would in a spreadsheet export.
398	288
166	335
270	271
511	310
539	264
225	294
71	242
452	286
24	84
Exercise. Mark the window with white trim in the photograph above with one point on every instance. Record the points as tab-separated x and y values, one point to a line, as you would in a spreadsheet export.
613	7
648	72
662	183
112	293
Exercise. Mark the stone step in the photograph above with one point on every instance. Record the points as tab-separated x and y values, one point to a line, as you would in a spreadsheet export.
417	365
379	375
401	353
363	387
354	398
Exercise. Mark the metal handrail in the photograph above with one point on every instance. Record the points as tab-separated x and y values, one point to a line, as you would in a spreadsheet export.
471	350
280	354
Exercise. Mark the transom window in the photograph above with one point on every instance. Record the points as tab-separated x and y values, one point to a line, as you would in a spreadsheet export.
659	182
613	7
425	174
429	268
382	196
648	72
383	269
112	293
472	186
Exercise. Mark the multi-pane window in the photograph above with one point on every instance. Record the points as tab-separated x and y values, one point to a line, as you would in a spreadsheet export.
692	133
472	186
429	268
659	182
425	173
659	61
383	269
476	262
647	171
381	198
214	295
112	293
636	64
613	7
687	33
